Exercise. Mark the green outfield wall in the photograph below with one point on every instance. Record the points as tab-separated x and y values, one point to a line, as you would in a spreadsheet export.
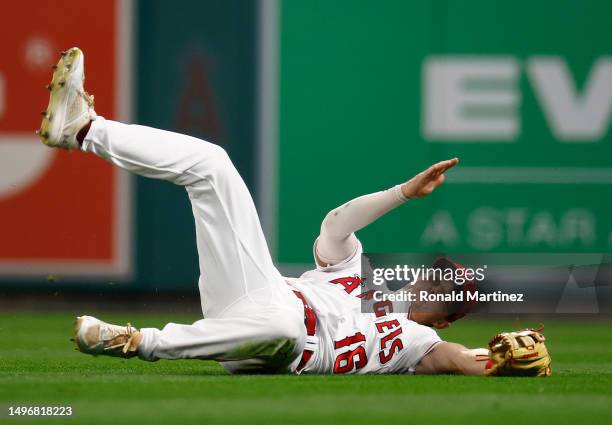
195	75
371	92
351	97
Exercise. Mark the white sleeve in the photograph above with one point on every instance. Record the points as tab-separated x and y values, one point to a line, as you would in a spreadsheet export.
337	240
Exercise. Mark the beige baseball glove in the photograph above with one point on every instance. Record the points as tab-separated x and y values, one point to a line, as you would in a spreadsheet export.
521	353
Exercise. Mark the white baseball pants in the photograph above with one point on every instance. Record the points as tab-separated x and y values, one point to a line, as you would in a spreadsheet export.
252	320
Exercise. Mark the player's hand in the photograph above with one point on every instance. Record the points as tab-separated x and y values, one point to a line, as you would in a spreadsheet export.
426	181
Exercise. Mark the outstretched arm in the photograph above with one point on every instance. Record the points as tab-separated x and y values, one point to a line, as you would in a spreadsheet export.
337	240
448	357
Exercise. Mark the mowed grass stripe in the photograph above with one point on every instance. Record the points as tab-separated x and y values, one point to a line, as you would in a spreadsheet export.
38	365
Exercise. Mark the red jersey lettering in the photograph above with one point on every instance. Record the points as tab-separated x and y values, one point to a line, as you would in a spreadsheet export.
349	283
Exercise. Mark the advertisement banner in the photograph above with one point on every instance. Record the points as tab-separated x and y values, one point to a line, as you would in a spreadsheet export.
61	212
520	92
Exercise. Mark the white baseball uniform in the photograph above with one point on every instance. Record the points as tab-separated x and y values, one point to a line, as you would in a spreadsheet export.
354	341
254	319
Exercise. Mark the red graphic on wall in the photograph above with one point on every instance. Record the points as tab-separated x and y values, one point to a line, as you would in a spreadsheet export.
197	109
60	212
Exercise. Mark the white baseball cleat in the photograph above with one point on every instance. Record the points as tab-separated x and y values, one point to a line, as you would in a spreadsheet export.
70	107
93	336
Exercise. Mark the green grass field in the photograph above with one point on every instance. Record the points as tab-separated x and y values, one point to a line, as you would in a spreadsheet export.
39	366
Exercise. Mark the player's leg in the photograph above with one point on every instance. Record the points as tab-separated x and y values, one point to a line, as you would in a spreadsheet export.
270	338
234	259
449	357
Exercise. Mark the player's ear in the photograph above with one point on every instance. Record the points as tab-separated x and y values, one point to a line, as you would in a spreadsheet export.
427	318
441	324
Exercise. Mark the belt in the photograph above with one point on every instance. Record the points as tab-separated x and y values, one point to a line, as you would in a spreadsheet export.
310	321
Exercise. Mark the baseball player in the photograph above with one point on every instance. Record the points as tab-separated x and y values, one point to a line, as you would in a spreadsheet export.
256	320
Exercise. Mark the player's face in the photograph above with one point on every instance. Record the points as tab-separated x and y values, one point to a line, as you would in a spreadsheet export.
427	312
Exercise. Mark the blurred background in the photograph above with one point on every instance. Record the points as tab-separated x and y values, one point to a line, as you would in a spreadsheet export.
316	102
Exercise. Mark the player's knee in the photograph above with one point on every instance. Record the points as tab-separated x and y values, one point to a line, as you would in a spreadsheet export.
215	163
216	151
287	325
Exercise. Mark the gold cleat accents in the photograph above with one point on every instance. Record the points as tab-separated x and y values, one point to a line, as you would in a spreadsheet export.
69	103
93	336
